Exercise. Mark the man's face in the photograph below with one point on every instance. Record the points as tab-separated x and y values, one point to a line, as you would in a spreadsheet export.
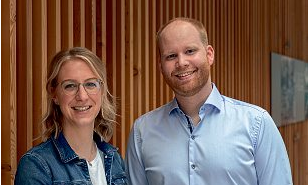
185	60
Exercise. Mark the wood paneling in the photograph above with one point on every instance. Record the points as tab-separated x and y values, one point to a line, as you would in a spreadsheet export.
122	33
8	92
24	76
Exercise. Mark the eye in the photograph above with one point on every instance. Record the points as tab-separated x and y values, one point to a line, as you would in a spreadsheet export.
91	85
171	57
190	51
69	86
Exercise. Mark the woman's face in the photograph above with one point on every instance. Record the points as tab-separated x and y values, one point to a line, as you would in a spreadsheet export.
80	109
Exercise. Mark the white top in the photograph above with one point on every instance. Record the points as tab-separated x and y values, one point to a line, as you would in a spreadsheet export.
97	170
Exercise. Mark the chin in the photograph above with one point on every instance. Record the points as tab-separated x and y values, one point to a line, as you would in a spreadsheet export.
84	122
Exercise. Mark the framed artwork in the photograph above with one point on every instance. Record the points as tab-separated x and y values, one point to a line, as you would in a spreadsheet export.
289	89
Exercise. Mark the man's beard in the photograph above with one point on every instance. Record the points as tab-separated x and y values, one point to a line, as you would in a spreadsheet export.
192	87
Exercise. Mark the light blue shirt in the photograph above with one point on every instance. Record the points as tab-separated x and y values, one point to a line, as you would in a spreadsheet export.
234	143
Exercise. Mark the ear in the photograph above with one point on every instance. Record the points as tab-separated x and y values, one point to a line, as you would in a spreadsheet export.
210	54
52	90
55	100
158	58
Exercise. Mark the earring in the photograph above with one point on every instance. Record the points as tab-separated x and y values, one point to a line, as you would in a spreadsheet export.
56	101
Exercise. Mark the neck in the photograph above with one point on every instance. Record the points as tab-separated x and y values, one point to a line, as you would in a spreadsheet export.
81	142
192	104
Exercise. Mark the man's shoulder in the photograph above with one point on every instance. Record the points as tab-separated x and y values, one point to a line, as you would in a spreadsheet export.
162	110
155	115
242	104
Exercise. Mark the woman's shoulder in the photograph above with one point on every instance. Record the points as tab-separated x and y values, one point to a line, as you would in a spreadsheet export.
36	158
40	149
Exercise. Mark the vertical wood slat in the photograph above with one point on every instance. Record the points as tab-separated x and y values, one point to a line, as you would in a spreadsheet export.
130	71
90	25
12	81
24	77
82	24
152	55
8	92
137	57
110	48
54	28
29	73
115	68
39	62
146	58
166	13
159	82
103	30
67	24
123	69
79	23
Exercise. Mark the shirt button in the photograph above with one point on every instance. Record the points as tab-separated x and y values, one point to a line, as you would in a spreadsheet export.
193	166
193	137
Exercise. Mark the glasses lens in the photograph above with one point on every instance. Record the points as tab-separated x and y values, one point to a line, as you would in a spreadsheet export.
69	87
92	86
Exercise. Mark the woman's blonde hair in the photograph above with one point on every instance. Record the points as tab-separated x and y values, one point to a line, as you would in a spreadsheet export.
105	119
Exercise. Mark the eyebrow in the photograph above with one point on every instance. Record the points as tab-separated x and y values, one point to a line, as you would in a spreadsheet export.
93	78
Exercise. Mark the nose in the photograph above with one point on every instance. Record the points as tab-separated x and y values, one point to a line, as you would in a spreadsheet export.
182	61
81	94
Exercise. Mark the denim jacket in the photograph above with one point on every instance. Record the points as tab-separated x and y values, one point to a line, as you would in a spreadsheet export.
54	162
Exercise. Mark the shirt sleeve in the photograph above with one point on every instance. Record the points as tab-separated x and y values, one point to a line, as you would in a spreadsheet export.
32	171
134	165
271	158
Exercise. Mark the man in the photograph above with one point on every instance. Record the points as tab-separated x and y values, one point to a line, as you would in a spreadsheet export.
202	137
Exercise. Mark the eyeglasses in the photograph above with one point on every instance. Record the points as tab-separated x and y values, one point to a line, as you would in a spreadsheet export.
71	87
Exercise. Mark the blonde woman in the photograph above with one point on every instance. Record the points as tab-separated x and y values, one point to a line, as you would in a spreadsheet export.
78	124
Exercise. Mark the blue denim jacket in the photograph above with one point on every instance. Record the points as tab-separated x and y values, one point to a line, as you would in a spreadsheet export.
54	162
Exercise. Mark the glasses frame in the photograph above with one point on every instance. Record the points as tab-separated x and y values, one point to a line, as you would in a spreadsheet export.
100	82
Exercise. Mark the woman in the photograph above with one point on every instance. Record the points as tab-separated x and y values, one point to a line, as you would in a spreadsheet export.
78	123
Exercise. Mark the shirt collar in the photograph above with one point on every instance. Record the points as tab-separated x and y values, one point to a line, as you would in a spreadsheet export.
214	100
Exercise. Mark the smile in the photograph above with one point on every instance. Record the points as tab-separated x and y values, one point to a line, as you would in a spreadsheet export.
81	108
181	75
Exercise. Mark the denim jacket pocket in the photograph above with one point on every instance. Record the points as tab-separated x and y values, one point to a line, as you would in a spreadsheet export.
119	179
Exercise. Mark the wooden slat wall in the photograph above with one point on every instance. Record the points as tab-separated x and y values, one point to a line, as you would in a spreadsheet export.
8	91
122	33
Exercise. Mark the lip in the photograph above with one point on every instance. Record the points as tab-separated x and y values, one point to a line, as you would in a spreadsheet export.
81	108
184	75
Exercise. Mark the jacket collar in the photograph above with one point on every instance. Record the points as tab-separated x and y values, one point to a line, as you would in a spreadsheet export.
102	145
67	154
